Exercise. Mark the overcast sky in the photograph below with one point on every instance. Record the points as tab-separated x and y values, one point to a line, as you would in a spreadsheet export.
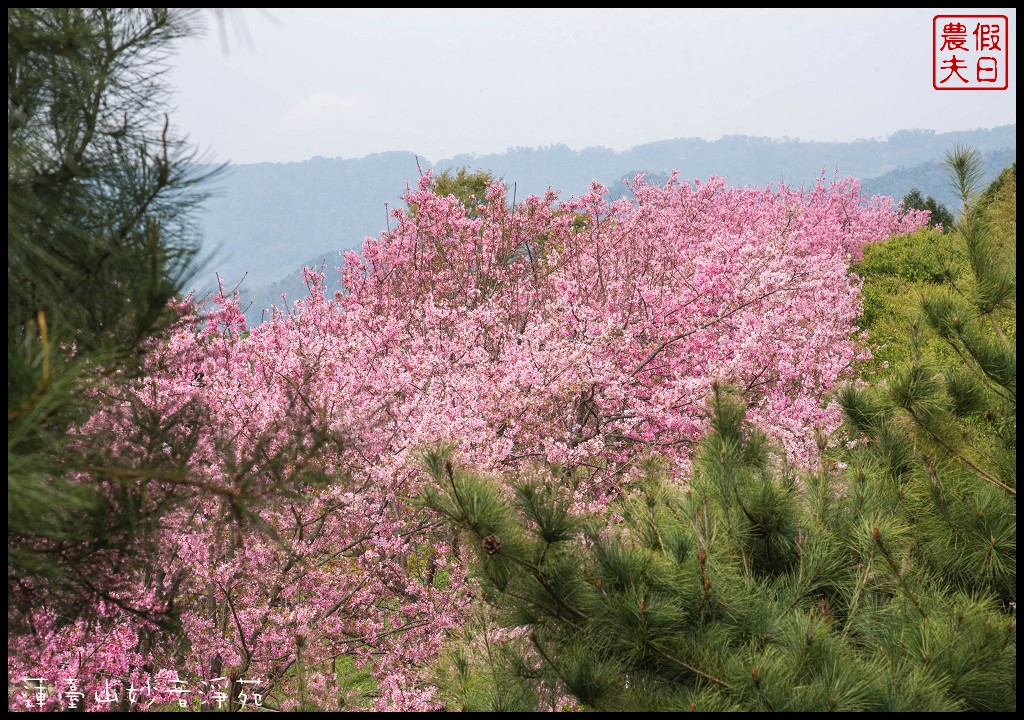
290	84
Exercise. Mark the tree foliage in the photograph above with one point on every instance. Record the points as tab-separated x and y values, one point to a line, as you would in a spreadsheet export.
939	214
576	334
900	271
744	592
896	273
99	237
948	414
883	581
193	500
468	186
99	240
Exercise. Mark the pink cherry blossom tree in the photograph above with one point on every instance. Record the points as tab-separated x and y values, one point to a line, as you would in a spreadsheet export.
548	336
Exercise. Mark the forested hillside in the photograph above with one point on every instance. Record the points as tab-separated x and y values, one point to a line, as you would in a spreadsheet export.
882	580
702	446
268	220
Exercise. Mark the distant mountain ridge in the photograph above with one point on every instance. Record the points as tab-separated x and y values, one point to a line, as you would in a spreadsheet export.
265	218
740	159
931	178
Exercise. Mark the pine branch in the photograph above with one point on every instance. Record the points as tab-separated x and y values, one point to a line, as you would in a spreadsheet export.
876	534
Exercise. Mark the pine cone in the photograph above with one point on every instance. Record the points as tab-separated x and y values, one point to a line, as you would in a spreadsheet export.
492	544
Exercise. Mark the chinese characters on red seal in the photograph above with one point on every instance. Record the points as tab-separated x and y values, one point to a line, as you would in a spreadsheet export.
970	52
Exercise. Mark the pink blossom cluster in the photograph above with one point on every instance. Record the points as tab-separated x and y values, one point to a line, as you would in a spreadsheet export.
580	333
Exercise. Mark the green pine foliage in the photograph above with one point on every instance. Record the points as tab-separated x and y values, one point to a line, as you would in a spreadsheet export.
884	580
944	420
747	591
99	238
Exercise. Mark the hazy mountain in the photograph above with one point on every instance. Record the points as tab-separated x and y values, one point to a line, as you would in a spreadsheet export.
931	178
740	159
265	218
285	291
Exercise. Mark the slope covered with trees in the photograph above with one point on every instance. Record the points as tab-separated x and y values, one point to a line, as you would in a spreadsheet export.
294	211
883	581
567	338
632	408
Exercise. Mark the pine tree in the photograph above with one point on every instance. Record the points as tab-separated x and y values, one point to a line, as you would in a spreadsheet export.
742	593
884	580
100	238
940	214
944	423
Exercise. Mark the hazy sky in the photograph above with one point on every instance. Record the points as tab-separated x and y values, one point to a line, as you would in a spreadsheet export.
289	84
